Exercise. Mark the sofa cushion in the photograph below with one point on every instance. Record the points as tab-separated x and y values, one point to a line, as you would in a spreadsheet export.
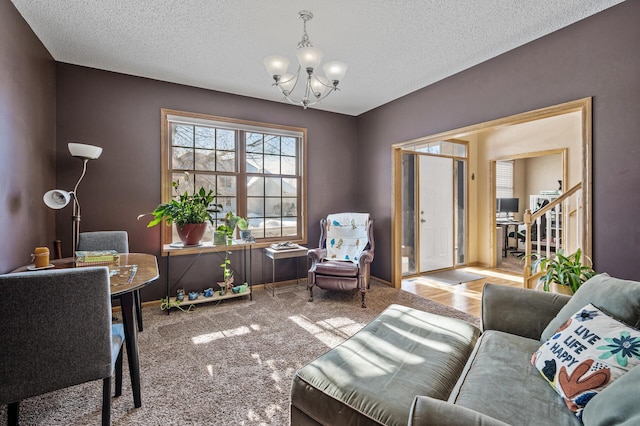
499	381
617	404
373	377
337	268
619	298
588	353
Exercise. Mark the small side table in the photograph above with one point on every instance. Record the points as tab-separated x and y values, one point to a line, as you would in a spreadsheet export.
273	254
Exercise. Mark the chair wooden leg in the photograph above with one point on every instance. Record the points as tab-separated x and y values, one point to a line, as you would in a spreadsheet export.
119	374
106	401
138	303
311	294
12	413
363	304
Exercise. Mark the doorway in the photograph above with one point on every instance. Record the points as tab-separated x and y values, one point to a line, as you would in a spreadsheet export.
493	140
434	199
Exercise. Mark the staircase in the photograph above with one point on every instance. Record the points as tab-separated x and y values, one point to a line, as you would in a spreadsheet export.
564	233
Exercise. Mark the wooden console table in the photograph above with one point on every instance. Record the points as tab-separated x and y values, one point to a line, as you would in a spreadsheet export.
204	248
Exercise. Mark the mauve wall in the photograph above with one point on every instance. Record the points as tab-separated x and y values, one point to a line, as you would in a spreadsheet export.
595	57
121	113
27	140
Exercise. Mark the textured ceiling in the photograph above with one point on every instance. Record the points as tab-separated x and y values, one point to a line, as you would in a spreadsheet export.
392	47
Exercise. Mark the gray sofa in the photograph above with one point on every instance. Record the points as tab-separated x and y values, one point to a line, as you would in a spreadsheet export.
412	367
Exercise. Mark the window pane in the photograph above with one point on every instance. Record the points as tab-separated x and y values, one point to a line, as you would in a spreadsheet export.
254	163
272	228
226	140
182	159
206	181
226	161
227	186
289	207
205	137
289	187
290	227
288	166
273	187
228	205
273	207
255	207
272	144
272	164
182	135
254	142
288	146
205	159
255	186
183	184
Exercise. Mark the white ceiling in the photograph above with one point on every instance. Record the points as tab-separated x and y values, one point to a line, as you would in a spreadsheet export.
392	47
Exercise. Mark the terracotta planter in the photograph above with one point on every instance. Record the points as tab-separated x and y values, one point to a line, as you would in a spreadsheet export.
191	233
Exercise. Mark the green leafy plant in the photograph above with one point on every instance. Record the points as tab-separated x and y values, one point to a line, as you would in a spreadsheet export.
564	270
188	208
243	224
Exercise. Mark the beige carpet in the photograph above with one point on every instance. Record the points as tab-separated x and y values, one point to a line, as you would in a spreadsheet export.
229	364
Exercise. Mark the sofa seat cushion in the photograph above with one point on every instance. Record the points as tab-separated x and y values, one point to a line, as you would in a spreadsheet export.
500	381
373	377
337	268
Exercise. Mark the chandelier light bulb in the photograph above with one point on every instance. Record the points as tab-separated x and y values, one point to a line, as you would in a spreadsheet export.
309	57
276	65
335	71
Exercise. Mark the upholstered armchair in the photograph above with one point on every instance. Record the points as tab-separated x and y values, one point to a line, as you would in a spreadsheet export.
344	254
56	332
111	240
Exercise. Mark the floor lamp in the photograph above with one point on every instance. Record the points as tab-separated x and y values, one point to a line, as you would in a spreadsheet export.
58	198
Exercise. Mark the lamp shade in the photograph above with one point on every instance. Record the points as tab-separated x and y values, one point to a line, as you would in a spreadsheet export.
309	57
56	198
276	65
335	70
318	85
88	152
287	82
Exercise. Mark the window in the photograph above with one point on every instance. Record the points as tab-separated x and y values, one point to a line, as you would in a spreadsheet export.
504	179
256	170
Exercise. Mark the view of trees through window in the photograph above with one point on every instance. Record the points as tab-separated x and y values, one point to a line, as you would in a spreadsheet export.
255	171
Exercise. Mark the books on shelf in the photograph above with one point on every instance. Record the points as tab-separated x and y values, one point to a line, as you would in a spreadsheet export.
284	246
97	258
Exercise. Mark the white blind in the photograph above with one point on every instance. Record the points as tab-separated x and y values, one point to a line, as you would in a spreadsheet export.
504	179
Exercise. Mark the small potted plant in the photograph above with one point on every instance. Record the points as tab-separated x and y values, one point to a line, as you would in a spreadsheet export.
565	273
243	226
227	275
190	213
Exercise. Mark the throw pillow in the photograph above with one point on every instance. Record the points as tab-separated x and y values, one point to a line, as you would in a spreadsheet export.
586	354
620	298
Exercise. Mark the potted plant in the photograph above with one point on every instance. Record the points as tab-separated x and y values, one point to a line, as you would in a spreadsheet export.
227	275
243	226
190	213
566	271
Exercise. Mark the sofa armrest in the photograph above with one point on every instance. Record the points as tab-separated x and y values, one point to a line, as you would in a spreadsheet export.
316	255
434	412
519	311
365	257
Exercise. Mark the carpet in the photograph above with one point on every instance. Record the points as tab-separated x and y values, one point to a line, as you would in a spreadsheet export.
225	364
452	277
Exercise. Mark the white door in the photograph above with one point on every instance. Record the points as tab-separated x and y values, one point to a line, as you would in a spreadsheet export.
436	213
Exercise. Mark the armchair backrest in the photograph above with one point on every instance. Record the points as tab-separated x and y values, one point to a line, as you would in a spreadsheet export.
346	235
55	330
104	240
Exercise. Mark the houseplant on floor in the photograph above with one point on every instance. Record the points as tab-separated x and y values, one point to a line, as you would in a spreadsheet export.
190	213
566	271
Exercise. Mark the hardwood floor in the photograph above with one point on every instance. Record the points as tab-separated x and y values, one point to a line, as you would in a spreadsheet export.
465	297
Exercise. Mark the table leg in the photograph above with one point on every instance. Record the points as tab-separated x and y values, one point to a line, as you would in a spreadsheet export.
131	342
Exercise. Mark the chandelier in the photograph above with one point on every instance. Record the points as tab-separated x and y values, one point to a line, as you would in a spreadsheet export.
316	87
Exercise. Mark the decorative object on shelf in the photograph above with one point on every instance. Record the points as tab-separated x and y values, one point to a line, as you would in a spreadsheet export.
567	271
208	292
220	235
240	288
40	257
58	198
189	212
180	294
193	295
309	58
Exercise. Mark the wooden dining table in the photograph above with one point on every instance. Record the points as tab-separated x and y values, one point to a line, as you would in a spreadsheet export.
122	288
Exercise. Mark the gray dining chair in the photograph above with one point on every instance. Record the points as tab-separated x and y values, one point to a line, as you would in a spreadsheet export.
56	332
111	240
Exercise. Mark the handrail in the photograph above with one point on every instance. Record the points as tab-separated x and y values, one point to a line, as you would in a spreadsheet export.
529	219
